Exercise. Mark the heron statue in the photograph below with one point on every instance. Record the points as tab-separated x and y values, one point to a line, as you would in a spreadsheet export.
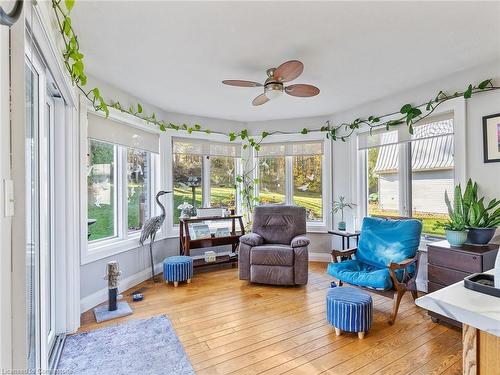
151	227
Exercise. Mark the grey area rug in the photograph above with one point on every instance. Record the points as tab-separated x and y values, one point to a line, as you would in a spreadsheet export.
148	346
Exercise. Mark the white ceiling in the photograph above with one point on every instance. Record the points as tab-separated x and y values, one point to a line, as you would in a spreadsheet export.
175	54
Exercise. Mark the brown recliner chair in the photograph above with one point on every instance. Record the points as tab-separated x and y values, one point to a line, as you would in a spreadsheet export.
276	250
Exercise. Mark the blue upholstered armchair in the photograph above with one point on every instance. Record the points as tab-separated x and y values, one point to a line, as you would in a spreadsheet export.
385	261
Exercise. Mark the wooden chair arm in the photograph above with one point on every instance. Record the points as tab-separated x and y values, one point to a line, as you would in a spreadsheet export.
347	253
408	281
403	264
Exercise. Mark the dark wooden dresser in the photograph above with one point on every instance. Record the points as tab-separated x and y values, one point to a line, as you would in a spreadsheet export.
448	265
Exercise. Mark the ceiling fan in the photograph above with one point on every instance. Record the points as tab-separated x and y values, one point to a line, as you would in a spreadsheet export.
274	84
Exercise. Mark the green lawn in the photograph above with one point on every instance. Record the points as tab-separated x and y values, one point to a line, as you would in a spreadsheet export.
224	197
104	226
429	220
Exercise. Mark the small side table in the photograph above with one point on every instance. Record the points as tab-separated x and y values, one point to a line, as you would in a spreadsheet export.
346	235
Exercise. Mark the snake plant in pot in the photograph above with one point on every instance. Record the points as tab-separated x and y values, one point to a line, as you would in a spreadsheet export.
456	227
482	219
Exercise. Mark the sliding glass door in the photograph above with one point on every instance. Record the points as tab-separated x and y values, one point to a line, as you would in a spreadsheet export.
32	92
40	249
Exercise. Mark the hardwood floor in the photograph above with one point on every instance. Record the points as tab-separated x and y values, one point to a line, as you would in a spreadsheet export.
228	326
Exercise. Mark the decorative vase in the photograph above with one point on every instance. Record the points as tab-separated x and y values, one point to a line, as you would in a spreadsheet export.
480	236
456	237
341	225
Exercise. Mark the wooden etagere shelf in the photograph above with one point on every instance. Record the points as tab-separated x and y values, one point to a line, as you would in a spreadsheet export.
186	243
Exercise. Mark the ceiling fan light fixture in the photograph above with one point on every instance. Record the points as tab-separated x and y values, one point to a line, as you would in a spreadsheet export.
273	90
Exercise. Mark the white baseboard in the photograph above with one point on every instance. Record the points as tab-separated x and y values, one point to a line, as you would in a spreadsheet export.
320	257
101	296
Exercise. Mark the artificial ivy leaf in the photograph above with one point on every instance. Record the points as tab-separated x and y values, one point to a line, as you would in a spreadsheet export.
244	134
409	117
69	4
375	119
406	108
438	96
162	127
190	130
207	131
96	93
67	26
245	147
410	129
429	106
83	79
257	147
197	126
468	92
304	131
232	137
139	108
484	84
264	135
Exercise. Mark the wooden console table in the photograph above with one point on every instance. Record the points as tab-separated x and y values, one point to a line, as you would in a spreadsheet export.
186	243
448	265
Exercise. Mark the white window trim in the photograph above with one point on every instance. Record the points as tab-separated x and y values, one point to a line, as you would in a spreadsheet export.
124	241
171	230
456	107
326	178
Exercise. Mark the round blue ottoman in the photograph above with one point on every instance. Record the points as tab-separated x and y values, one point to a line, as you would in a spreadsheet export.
349	310
178	268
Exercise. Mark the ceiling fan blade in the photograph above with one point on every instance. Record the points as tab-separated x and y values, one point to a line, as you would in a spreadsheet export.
288	71
241	83
261	99
302	90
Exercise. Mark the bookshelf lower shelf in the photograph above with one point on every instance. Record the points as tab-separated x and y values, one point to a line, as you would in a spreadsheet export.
222	259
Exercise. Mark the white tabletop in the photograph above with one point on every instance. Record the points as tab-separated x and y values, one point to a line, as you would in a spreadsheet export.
476	309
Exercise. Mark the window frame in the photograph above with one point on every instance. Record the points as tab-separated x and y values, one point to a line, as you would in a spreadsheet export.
326	175
170	229
92	251
456	109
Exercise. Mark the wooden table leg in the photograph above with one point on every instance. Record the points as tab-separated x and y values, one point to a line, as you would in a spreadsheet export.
469	342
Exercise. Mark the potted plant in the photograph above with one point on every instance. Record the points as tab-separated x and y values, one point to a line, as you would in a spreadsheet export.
456	227
339	206
482	220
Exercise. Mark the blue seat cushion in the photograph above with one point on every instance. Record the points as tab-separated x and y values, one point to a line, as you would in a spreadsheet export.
362	274
383	241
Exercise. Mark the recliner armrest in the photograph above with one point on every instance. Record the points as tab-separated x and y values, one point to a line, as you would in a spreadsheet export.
300	241
252	239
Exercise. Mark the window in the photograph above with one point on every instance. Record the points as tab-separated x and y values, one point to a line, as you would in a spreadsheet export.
432	173
410	175
291	173
101	190
383	177
187	178
222	181
120	180
204	173
138	188
307	186
272	179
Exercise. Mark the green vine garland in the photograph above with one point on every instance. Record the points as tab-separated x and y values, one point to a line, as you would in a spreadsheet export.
408	114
